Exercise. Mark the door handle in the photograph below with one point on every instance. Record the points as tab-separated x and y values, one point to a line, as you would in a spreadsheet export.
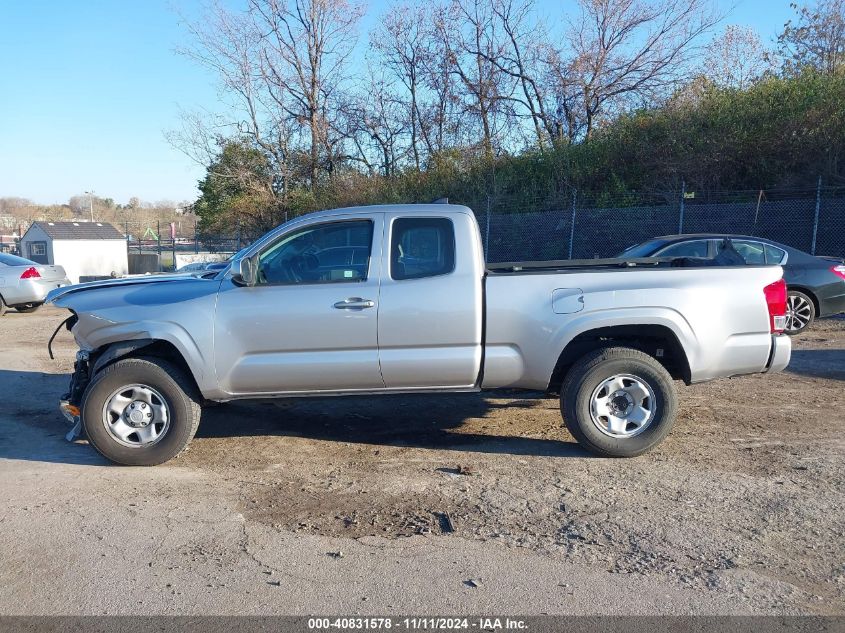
354	303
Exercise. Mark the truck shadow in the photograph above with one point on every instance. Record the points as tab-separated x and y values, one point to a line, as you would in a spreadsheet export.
461	422
32	429
818	363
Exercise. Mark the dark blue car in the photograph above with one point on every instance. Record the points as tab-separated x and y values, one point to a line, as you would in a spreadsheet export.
815	285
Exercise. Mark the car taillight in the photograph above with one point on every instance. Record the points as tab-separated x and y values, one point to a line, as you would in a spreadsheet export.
776	302
839	271
31	273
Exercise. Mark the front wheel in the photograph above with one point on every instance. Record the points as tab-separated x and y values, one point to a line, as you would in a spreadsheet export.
140	411
618	402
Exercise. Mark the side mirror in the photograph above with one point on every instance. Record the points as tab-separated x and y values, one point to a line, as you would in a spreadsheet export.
247	271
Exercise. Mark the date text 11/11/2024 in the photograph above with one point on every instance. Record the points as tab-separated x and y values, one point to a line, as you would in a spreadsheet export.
418	623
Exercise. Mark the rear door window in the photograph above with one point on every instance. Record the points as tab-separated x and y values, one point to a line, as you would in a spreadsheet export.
774	255
421	247
754	253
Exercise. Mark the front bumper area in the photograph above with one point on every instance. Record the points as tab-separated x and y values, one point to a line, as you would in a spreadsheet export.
70	403
780	354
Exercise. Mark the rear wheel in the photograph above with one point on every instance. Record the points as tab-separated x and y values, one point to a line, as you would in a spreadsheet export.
800	312
27	308
618	402
140	411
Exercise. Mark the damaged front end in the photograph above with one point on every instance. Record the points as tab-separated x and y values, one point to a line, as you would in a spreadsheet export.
71	402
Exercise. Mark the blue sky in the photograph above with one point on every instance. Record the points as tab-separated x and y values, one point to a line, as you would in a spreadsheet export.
89	88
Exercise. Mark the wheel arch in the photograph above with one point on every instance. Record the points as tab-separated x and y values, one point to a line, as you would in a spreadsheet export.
142	348
658	341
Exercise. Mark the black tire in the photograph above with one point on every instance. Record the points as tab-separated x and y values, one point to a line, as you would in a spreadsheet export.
805	312
3	307
585	377
28	308
178	392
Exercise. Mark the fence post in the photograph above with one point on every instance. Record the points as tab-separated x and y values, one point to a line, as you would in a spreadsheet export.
681	212
196	240
816	218
572	223
487	232
158	237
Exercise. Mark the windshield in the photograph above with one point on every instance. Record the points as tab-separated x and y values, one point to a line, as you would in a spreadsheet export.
14	260
237	255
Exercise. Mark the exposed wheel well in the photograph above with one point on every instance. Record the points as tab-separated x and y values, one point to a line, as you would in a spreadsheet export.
807	292
155	349
657	341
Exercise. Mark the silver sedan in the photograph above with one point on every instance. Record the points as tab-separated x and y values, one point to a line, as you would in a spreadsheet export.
24	283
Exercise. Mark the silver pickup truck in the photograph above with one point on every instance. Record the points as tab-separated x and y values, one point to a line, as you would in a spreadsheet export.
398	299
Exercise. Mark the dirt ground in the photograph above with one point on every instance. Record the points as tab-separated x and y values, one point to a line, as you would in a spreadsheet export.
739	510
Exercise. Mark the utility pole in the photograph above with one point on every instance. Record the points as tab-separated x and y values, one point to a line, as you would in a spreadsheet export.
91	203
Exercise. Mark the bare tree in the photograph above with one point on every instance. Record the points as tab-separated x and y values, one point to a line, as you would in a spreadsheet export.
443	114
515	46
625	50
817	39
228	44
11	204
377	124
467	31
737	58
402	40
304	49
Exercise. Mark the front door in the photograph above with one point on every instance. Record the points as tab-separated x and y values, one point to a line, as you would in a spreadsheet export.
310	322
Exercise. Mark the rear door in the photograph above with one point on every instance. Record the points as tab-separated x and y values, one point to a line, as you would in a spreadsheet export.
430	307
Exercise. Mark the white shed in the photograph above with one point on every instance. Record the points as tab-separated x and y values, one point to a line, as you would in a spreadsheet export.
86	250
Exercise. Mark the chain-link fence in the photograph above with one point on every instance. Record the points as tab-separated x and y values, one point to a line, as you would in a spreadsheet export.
563	224
571	225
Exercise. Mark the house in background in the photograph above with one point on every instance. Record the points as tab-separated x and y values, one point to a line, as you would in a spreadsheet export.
86	250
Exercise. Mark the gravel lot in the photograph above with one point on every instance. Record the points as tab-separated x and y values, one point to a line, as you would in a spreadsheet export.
471	503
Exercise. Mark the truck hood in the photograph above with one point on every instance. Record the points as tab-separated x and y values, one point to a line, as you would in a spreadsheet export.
115	292
54	296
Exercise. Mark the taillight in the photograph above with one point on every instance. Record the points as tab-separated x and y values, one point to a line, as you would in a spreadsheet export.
31	273
839	271
776	302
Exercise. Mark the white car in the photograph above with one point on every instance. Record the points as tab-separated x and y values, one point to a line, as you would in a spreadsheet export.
24	283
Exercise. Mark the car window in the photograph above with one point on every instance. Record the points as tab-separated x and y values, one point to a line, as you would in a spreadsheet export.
752	252
319	254
774	255
421	247
14	260
646	249
693	248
